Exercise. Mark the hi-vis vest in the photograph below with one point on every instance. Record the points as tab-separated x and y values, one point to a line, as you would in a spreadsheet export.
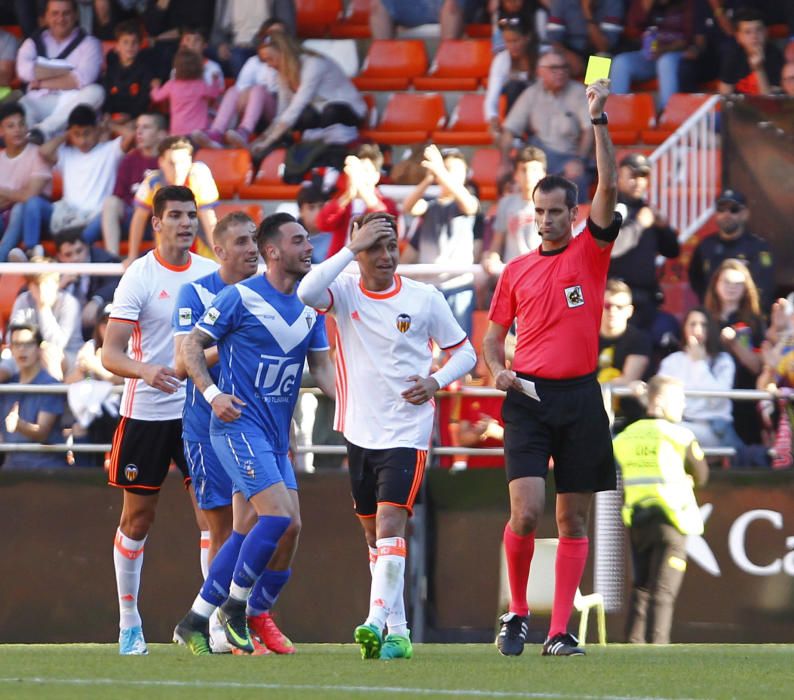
651	455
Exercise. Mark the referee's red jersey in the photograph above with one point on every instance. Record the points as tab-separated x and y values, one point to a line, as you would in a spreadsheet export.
557	299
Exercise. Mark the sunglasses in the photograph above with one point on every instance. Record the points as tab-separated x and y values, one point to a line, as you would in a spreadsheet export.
509	22
732	208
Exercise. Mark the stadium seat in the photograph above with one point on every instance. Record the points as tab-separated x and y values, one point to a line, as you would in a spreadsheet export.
408	118
13	29
316	16
479	31
9	290
229	167
460	64
355	23
467	125
484	170
629	115
268	183
392	64
343	51
253	210
57	185
678	109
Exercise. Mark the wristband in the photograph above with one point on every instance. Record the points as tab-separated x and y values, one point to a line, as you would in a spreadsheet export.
211	393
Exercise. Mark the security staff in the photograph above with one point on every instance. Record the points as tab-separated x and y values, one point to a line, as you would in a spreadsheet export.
659	461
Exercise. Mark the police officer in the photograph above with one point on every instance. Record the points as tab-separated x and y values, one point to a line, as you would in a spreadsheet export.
733	240
659	461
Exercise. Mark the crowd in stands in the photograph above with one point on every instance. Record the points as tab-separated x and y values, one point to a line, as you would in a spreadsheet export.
104	102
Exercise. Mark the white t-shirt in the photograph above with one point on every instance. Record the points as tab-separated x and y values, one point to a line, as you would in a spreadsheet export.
704	375
382	339
88	178
145	298
255	72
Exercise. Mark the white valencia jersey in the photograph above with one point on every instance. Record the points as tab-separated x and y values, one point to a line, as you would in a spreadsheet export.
145	298
382	339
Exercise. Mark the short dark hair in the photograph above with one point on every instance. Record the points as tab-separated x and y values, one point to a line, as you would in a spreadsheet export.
452	153
177	143
69	235
359	221
193	29
128	26
748	14
9	110
82	115
310	195
531	154
171	193
231	219
557	182
73	3
160	119
25	326
270	228
370	151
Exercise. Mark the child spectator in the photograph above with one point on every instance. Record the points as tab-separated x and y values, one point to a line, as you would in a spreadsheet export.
194	39
128	76
310	202
188	95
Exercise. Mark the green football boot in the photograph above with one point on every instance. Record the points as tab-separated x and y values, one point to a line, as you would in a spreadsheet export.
395	646
193	632
370	639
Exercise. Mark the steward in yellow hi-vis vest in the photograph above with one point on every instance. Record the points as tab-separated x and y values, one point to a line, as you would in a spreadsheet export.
659	461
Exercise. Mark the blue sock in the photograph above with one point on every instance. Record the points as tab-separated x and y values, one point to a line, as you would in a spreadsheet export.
265	591
216	586
257	549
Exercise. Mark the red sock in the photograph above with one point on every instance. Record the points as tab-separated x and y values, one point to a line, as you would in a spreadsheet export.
569	567
518	552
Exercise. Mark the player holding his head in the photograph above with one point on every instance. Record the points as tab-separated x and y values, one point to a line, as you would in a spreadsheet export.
138	346
553	407
263	333
385	324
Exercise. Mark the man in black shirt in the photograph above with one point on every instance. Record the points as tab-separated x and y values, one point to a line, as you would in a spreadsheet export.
752	65
733	240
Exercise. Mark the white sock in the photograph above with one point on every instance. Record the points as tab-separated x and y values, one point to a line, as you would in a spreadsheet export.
128	562
239	593
387	579
204	552
202	607
395	622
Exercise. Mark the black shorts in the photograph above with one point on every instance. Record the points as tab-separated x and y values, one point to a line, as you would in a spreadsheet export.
391	476
142	453
569	423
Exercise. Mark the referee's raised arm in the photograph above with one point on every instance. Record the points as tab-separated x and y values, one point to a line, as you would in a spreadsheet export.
602	209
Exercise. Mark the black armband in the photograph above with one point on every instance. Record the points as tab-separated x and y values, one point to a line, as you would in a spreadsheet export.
608	234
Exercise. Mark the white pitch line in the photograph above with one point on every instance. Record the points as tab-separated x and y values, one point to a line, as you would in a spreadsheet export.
326	688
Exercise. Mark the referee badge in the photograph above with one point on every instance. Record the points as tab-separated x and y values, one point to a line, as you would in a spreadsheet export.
574	296
131	472
403	323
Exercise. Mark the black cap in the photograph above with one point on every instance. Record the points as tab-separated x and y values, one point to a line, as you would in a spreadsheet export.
732	196
637	162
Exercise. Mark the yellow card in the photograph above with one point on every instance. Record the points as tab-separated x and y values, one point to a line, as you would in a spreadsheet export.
597	68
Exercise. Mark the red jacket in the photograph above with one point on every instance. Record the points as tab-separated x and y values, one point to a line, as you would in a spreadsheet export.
336	220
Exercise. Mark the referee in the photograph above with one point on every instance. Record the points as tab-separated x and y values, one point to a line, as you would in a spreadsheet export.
553	408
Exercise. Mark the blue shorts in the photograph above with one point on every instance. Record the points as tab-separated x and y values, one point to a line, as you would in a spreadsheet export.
214	488
250	462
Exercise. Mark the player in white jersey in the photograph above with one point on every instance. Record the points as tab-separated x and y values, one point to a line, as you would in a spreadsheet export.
139	346
385	325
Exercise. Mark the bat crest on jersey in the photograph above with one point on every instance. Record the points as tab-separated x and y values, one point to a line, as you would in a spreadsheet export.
574	296
403	323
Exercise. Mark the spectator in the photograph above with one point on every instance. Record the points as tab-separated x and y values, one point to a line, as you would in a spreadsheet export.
624	352
23	174
176	167
56	313
358	195
164	20
60	64
93	292
700	62
475	422
752	66
787	79
514	229
30	418
449	229
732	300
733	240
667	28
150	130
193	39
187	94
512	70
386	15
128	76
580	29
553	112
8	54
528	13
313	94
645	233
88	167
310	203
106	15
253	95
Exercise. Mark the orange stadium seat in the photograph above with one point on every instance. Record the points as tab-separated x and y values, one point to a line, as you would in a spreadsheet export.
229	167
392	64
408	118
460	64
629	115
268	183
467	125
479	31
678	109
316	16
13	29
484	171
355	23
253	210
9	290
57	185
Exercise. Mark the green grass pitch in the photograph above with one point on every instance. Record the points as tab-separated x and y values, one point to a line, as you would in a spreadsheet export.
619	672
